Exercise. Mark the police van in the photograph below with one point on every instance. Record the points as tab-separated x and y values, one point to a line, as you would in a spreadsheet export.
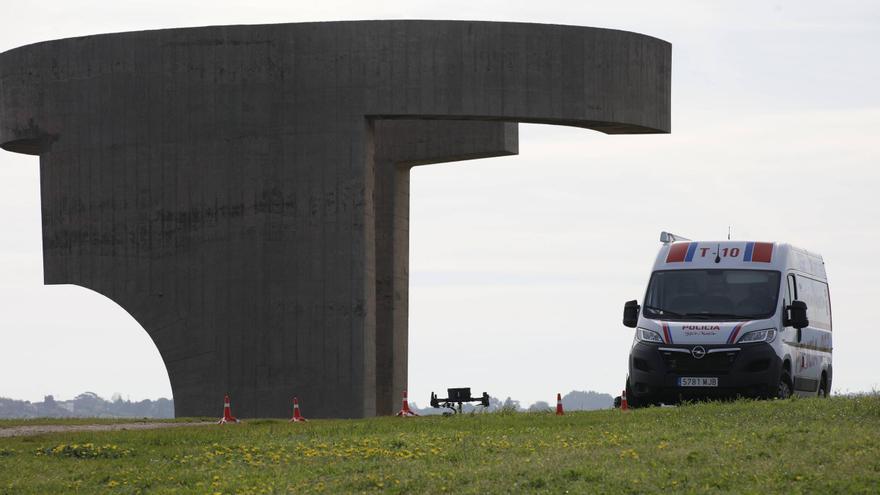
729	319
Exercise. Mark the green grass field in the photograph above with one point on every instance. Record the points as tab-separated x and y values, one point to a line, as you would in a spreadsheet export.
793	446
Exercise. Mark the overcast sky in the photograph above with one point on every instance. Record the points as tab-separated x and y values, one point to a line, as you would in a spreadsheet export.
520	265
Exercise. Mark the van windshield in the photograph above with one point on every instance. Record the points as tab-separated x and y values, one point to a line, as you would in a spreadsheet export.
715	295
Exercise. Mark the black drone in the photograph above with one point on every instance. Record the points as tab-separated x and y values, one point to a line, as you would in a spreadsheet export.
458	396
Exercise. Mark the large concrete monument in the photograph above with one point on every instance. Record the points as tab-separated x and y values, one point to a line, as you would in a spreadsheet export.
243	191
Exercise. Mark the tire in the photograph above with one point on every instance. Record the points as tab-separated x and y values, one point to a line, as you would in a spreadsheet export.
638	402
631	401
783	390
823	388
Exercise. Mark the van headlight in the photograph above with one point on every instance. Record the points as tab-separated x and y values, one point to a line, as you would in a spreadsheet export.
765	335
645	335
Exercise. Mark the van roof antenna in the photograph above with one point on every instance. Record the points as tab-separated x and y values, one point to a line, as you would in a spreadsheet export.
728	232
669	237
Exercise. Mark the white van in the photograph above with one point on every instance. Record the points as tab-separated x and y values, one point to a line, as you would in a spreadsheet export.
728	319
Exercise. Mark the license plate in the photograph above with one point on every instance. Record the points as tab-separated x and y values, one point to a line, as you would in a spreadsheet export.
689	381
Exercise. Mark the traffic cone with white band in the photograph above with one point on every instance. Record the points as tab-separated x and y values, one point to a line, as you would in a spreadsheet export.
227	413
559	411
405	410
624	406
297	417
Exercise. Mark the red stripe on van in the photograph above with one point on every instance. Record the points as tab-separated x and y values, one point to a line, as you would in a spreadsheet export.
677	252
732	338
666	334
763	252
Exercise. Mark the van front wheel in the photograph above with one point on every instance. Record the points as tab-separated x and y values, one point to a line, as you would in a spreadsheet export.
631	400
783	390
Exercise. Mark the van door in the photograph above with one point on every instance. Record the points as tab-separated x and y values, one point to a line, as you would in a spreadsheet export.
790	335
810	347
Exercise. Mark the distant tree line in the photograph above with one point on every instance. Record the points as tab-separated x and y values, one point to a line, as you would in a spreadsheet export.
86	405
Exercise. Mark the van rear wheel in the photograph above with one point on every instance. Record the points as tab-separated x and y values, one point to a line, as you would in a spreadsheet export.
823	388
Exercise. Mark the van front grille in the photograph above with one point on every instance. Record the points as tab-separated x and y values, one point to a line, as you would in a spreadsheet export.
718	363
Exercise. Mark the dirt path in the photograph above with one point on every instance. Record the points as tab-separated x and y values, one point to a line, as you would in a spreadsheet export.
20	431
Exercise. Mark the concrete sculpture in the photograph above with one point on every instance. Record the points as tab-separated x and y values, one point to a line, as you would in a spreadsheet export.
242	191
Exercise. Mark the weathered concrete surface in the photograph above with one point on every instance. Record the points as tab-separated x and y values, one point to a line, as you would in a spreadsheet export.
235	188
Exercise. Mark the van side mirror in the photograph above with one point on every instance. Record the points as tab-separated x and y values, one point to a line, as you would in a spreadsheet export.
796	315
631	314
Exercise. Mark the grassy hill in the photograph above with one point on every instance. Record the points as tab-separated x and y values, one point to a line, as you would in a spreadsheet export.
793	446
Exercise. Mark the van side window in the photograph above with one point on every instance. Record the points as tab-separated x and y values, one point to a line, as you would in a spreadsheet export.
815	294
827	296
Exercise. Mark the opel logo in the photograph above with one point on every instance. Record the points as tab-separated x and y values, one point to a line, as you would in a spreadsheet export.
698	352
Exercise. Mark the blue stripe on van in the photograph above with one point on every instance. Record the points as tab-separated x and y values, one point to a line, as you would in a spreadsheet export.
750	246
692	248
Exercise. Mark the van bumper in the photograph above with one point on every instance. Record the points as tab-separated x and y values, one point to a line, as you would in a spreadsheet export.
751	370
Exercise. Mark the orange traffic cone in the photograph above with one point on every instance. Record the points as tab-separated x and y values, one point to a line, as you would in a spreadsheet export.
624	406
404	410
559	411
297	417
227	413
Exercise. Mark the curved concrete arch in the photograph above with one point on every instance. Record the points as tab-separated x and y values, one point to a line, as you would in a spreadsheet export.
243	190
